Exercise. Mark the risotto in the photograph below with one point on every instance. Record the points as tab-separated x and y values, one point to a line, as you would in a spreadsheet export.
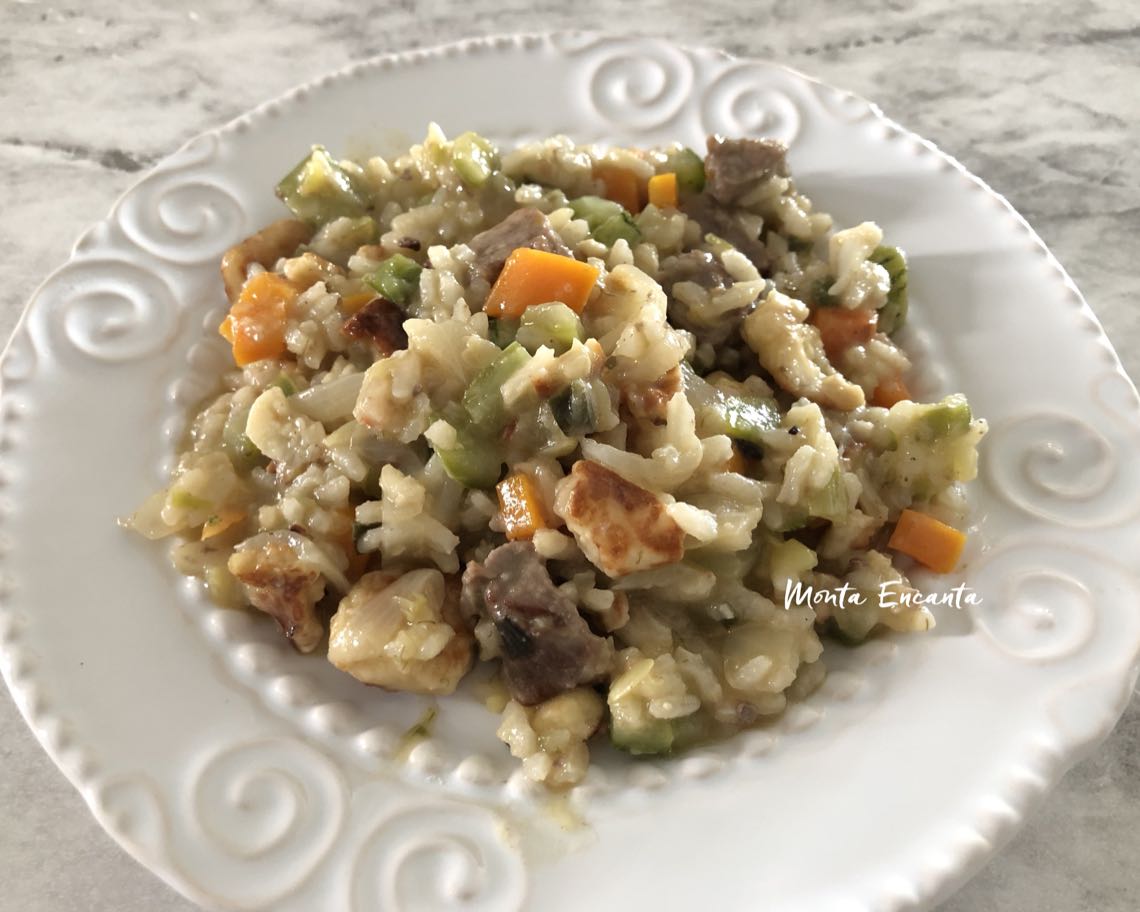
598	416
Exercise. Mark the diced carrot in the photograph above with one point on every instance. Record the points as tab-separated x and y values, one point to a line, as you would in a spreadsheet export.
345	537
520	506
350	304
929	541
840	328
218	523
890	391
256	322
622	186
663	190
537	277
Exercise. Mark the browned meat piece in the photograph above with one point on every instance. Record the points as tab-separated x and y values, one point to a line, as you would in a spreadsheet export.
649	402
381	322
735	166
522	228
547	647
272	242
697	266
620	527
724	222
285	587
704	269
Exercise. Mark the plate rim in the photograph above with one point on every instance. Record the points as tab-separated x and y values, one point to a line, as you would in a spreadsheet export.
1047	772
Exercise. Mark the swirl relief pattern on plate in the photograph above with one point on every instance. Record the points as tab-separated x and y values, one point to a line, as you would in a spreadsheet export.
109	307
247	830
438	857
183	212
639	85
748	100
1051	601
1063	469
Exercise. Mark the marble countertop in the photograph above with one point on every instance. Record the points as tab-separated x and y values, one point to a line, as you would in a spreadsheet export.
1038	99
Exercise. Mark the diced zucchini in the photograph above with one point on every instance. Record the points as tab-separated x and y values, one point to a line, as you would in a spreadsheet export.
689	168
319	190
397	278
949	417
739	415
535	431
503	331
820	295
184	500
237	446
475	158
594	210
483	399
935	444
554	325
652	736
616	228
607	220
892	315
830	501
550	439
574	409
746	417
359	231
340	238
476	461
791	559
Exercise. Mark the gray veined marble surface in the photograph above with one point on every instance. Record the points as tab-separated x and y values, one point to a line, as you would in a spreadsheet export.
1040	99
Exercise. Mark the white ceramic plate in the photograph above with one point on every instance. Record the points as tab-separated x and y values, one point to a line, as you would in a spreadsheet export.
250	777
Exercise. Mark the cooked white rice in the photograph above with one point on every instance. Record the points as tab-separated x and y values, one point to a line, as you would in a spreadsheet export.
719	420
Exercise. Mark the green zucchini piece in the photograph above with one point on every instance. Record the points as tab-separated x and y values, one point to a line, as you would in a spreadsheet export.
397	278
617	228
554	325
689	168
594	210
237	446
949	417
607	220
655	736
791	559
830	501
184	500
892	315
820	296
503	331
574	409
746	417
483	398
475	461
319	190
475	158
